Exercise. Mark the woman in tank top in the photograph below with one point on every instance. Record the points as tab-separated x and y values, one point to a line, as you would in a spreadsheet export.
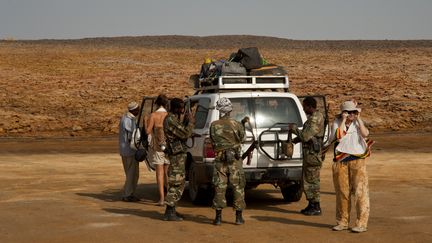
157	143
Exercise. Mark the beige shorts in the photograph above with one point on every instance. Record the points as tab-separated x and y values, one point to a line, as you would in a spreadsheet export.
158	158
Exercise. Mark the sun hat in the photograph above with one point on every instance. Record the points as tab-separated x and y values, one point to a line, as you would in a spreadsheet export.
349	106
132	106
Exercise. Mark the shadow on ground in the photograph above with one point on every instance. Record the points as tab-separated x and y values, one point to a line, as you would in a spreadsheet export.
291	221
201	219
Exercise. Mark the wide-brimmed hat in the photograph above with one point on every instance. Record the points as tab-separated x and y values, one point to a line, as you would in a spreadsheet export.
349	106
132	106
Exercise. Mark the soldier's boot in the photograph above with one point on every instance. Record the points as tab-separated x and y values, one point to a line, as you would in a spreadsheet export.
218	218
178	214
170	214
314	210
307	208
239	217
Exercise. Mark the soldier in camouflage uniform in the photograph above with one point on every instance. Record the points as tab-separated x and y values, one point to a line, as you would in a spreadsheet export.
311	136
227	135
176	134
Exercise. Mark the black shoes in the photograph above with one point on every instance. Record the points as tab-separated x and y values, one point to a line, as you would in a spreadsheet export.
218	218
313	209
239	218
171	214
131	198
307	208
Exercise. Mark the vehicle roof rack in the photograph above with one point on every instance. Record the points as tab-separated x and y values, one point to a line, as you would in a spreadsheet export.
243	83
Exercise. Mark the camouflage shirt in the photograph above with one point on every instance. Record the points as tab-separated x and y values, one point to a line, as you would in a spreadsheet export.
226	133
313	127
175	131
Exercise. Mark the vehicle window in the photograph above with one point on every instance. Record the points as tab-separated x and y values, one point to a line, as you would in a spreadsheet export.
146	110
200	108
241	108
271	110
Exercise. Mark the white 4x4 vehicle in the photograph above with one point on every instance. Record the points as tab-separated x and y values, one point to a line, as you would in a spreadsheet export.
270	107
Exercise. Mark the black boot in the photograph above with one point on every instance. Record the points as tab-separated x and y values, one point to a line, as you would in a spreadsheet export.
170	214
307	208
318	208
239	218
314	210
218	218
178	214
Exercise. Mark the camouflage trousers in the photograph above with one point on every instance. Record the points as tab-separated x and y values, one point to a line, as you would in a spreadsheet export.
223	174
176	178
311	176
351	178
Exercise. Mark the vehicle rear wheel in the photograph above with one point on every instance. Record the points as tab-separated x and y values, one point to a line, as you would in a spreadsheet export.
199	194
292	193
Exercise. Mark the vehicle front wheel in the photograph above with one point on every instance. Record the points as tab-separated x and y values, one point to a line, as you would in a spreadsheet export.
292	193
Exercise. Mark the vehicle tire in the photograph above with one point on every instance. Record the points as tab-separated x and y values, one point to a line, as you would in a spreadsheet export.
292	193
199	194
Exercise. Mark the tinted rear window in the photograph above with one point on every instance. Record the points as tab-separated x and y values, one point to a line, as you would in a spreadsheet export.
201	112
266	111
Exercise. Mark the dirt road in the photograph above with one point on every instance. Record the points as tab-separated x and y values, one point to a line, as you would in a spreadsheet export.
68	191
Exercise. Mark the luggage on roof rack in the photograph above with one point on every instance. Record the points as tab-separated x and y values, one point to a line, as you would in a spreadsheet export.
229	83
240	69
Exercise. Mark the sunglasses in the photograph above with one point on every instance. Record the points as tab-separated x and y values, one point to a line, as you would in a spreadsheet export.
351	112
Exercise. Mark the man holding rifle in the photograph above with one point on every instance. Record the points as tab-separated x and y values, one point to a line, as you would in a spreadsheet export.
311	137
176	133
227	135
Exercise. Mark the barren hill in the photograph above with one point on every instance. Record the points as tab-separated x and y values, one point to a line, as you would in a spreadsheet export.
81	87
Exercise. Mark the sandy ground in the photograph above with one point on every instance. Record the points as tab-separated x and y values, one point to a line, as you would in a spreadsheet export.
61	190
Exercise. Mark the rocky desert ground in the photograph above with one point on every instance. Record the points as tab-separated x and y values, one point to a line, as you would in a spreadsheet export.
69	190
62	88
61	175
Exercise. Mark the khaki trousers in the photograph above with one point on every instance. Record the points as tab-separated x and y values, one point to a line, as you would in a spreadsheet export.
351	178
131	169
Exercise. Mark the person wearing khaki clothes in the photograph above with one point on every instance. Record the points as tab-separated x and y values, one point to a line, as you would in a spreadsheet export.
349	167
352	173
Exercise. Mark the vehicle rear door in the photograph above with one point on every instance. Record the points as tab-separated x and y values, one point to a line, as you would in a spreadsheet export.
272	114
147	107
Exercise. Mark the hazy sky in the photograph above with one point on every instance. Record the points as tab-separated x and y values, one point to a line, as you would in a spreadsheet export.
302	19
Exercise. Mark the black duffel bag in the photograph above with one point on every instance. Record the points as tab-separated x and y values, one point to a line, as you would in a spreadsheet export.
249	57
233	69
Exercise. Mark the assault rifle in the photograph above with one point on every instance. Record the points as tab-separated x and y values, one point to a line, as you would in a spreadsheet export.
248	153
187	111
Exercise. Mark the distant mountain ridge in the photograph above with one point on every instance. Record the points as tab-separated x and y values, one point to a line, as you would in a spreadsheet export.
233	41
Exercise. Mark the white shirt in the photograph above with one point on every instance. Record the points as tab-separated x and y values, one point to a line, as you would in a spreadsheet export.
352	142
126	127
